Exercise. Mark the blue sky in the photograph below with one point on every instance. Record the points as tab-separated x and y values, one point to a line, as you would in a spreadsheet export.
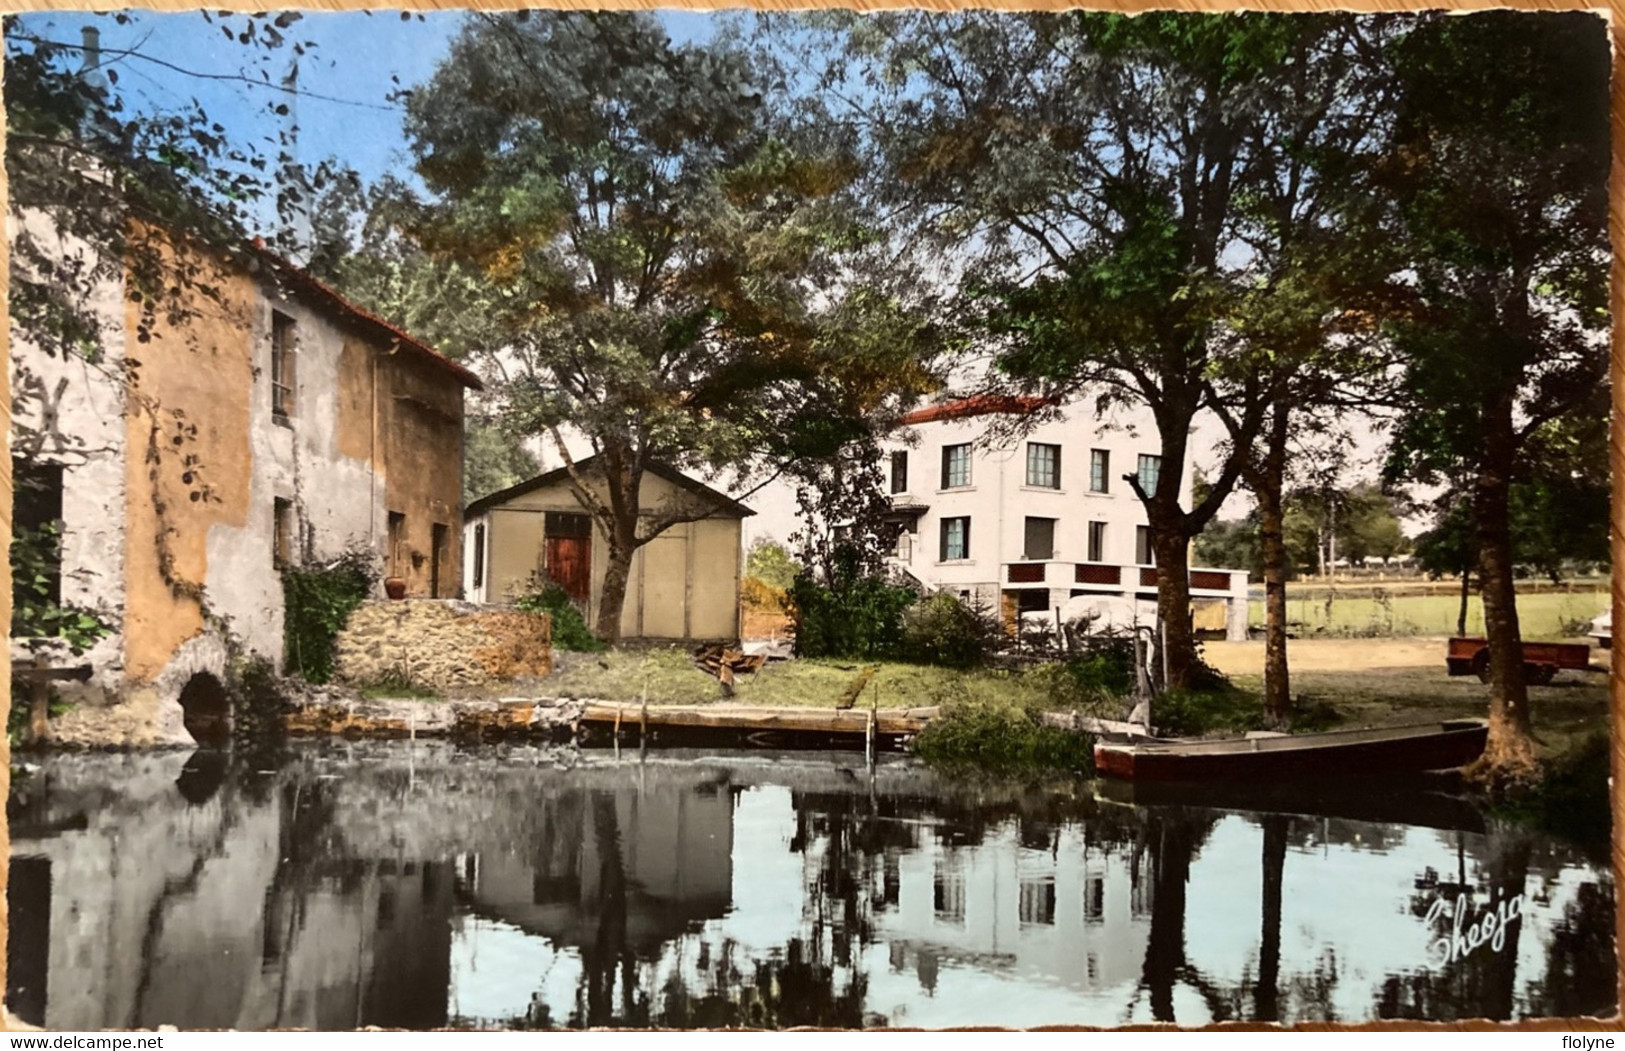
345	80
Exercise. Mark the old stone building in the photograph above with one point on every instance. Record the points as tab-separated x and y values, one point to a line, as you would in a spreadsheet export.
197	453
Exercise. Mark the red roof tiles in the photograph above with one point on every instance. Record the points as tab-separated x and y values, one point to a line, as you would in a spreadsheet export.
979	405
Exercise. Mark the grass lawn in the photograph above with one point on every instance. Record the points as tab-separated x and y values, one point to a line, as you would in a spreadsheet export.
1373	612
670	677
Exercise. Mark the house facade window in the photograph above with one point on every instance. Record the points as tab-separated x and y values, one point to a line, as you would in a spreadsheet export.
1143	553
36	523
1150	470
955	466
1100	470
395	557
1097	542
899	471
1043	465
1039	538
955	539
284	353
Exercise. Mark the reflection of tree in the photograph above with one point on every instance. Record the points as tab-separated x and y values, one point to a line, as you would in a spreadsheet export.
1266	1006
1480	983
1172	839
1580	969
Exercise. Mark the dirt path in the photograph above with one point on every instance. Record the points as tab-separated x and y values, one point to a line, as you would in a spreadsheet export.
1308	655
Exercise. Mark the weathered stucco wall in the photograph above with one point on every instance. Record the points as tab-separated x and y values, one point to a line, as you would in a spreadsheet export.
174	472
442	645
420	413
69	413
684	583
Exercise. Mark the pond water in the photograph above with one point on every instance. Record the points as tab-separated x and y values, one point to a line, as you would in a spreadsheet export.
418	886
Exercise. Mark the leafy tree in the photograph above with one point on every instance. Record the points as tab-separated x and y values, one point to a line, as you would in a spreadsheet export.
492	459
770	563
1497	174
669	264
100	195
1108	172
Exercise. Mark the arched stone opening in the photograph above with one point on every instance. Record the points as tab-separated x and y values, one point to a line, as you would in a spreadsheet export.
206	710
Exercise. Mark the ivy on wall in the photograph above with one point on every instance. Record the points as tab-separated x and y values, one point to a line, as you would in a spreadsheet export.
316	602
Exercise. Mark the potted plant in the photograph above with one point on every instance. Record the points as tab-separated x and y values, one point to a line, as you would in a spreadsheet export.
395	587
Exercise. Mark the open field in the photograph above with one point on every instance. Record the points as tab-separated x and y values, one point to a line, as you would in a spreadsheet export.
1318	610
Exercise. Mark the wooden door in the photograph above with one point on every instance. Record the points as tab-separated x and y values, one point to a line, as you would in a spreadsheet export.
567	554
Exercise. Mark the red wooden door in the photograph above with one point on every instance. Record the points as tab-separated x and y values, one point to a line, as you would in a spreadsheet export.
568	553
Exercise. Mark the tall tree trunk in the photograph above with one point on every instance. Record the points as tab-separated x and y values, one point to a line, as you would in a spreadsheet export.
612	597
1466	590
1174	604
1267	480
1509	757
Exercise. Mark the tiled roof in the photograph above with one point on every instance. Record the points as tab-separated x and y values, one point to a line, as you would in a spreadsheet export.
318	290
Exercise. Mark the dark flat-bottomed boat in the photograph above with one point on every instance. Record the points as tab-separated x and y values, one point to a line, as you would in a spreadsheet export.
1340	753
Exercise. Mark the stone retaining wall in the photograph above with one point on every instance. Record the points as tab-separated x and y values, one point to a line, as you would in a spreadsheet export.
441	645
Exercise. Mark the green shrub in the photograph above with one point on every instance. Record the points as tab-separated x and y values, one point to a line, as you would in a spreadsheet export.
1003	739
570	631
1193	713
862	618
1572	799
771	564
316	603
943	631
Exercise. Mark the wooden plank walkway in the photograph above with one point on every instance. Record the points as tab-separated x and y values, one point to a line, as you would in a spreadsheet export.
631	718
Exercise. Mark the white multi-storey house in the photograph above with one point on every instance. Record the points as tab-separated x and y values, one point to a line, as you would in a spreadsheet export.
1023	524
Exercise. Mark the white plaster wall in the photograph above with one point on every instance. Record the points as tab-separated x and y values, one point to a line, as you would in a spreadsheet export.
998	500
337	501
88	440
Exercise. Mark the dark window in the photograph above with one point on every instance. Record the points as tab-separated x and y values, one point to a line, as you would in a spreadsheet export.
1150	471
1043	465
1032	600
1143	554
1097	542
439	555
36	540
479	554
1100	470
955	466
955	539
282	533
561	524
1037	904
1039	538
1094	898
284	351
899	471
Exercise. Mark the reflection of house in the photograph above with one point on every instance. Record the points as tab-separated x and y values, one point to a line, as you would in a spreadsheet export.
141	907
1022	525
684	583
269	423
622	869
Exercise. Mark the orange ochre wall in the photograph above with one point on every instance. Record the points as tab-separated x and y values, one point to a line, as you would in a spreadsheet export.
188	398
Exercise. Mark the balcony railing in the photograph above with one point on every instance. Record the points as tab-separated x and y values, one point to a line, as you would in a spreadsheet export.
1098	574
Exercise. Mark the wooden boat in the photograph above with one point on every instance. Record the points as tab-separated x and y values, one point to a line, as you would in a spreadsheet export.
1341	753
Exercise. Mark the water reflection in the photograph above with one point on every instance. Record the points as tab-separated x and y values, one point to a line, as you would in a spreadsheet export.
421	886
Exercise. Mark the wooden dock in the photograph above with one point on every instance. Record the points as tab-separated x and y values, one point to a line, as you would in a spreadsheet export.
676	725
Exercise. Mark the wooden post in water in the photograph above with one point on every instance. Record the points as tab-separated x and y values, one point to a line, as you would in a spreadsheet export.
869	739
617	729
